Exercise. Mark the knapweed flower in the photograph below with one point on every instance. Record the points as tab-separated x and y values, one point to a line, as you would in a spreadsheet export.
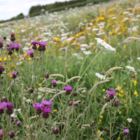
34	43
31	53
42	46
46	112
3	99
111	93
55	130
125	131
16	47
70	103
3	105
10	105
1	133
116	103
107	99
1	43
11	134
54	83
68	89
9	109
14	74
1	69
46	103
47	75
38	107
74	93
12	37
18	123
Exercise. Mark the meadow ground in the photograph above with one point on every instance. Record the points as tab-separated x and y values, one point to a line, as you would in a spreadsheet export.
72	75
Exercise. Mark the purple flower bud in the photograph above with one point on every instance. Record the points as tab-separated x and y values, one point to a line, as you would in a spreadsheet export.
18	123
1	43
54	83
55	130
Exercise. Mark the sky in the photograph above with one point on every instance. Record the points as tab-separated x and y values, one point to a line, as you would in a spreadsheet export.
11	8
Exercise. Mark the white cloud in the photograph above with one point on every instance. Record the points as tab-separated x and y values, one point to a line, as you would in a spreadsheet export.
11	8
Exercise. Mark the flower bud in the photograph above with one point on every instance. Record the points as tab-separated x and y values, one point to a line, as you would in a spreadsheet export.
11	134
55	130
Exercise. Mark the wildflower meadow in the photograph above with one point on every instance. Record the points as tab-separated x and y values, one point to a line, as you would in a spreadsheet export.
72	74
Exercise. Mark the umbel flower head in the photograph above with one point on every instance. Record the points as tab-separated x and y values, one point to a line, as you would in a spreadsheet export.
68	89
31	53
1	43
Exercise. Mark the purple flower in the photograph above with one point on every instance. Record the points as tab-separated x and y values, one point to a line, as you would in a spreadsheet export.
18	123
70	103
38	106
31	53
68	89
14	74
46	110
34	42
1	132
125	131
54	83
42	44
12	35
76	103
1	43
117	100
8	48
47	103
10	105
16	47
3	105
10	44
1	69
110	92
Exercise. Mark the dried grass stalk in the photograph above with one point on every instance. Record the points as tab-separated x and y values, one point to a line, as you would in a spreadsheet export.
95	85
130	38
61	92
84	125
46	89
82	113
110	70
81	89
75	77
55	75
137	6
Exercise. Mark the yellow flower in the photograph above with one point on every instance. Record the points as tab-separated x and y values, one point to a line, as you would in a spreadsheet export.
15	53
103	89
5	58
136	93
119	111
40	84
101	117
10	75
76	122
139	102
41	78
69	69
124	83
118	138
124	46
0	59
122	91
135	82
98	132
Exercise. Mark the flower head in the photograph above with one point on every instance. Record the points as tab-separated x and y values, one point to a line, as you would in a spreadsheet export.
1	43
34	42
125	131
42	44
18	123
110	92
14	74
47	103
38	106
3	105
10	105
46	110
31	53
54	83
1	69
1	132
68	89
